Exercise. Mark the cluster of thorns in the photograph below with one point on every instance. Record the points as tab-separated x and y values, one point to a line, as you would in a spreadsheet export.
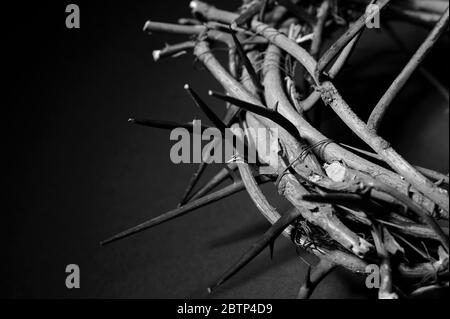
350	207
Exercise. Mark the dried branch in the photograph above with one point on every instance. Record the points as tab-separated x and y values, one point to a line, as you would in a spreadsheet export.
354	29
385	290
380	109
322	14
332	98
443	91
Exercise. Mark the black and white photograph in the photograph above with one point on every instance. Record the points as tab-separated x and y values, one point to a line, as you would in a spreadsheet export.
226	154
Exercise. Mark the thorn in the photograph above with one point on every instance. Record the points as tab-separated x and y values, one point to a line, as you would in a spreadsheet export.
180	211
192	182
271	247
248	65
166	125
206	109
215	181
260	110
269	236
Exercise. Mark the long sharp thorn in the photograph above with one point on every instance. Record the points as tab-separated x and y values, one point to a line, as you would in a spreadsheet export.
218	123
166	125
274	231
248	65
271	247
205	108
192	182
260	110
215	181
180	211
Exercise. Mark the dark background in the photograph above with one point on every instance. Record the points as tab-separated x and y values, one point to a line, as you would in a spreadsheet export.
76	172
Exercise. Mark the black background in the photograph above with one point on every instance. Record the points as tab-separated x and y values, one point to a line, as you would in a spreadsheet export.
76	172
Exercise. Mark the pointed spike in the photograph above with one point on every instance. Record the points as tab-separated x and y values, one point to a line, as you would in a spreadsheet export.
192	182
206	109
215	181
259	110
180	211
248	65
177	212
166	125
271	247
274	231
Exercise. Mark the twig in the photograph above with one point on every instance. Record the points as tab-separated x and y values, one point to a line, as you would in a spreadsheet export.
422	18
425	171
380	109
354	29
173	50
322	14
385	290
422	69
